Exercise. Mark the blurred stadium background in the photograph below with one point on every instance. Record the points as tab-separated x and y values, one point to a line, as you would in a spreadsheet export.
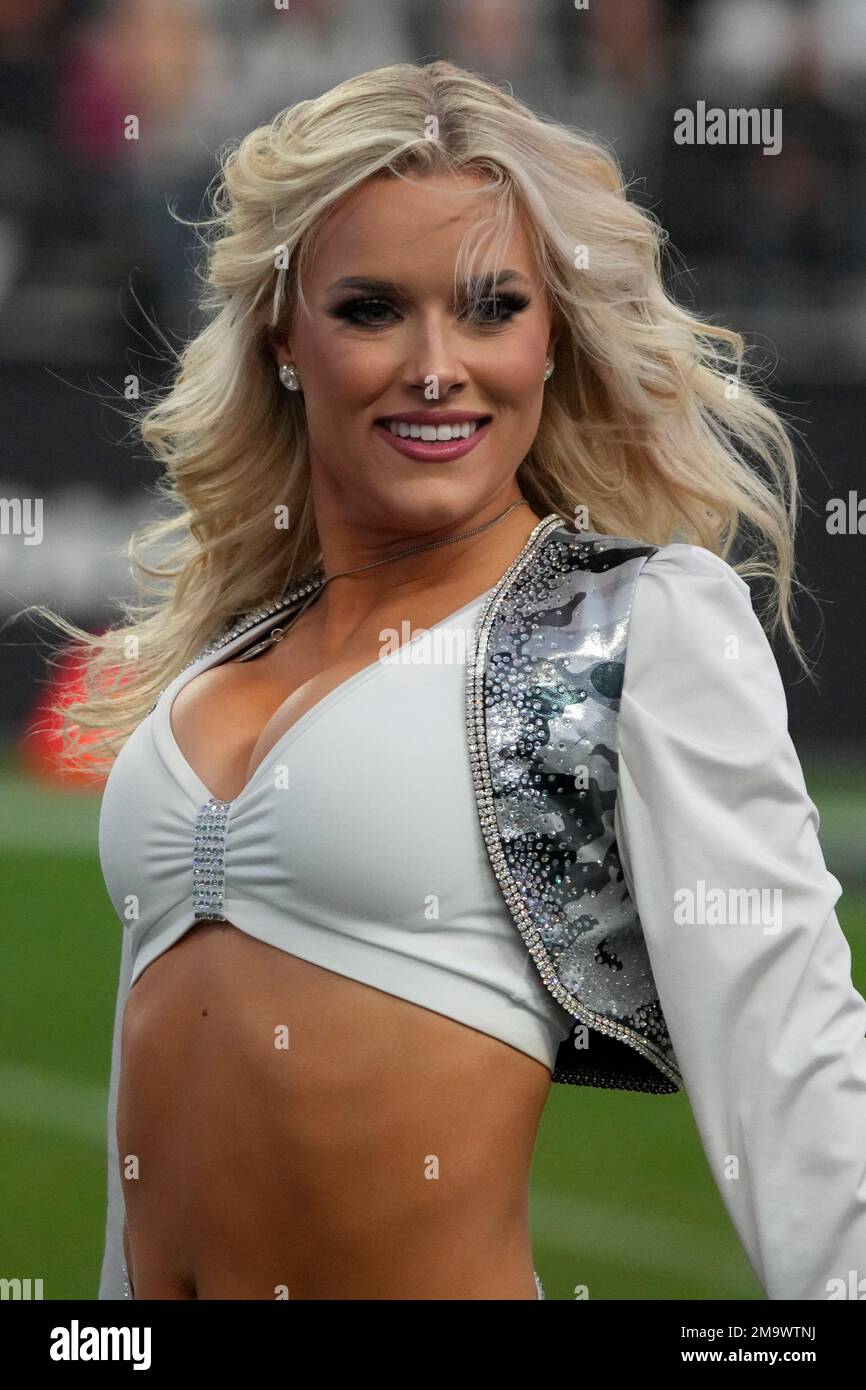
622	1197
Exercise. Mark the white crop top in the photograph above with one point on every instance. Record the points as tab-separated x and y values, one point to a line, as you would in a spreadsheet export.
356	844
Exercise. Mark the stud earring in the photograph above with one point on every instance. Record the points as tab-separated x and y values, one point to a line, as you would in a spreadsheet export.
289	377
548	370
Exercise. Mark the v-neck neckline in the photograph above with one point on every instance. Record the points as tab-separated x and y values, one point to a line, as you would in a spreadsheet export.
162	713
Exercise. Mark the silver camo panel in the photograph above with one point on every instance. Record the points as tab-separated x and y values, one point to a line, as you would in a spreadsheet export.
552	644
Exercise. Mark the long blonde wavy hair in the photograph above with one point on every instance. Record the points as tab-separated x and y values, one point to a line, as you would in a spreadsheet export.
647	420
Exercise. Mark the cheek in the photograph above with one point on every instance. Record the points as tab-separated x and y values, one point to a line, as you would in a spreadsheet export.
351	373
517	372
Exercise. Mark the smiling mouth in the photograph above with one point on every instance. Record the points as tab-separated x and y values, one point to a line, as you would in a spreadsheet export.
433	434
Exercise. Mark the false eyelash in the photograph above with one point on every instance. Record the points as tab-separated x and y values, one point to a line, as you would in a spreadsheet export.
512	303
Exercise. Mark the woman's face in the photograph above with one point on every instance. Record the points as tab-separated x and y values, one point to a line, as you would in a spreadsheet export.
393	342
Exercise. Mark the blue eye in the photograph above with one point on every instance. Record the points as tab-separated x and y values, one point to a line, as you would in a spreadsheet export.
490	311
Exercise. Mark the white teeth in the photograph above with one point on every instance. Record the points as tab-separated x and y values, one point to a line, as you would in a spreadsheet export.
433	433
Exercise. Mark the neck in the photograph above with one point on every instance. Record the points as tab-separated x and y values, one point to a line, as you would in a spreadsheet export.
463	567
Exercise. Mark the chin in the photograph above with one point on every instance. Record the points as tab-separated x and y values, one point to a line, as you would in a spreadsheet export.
426	504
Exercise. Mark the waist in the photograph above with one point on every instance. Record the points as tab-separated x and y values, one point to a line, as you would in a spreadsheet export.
271	1101
220	1002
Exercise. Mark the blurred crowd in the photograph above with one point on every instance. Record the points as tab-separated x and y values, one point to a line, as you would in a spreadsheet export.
84	208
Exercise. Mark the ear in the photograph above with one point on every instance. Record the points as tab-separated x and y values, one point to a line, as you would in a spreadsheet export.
278	346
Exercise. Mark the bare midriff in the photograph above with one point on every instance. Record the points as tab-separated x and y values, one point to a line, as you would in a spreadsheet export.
299	1134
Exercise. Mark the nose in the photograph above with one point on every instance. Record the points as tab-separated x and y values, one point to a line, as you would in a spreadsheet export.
434	358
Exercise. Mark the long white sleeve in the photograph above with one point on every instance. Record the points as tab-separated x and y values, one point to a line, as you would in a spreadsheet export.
111	1280
765	1020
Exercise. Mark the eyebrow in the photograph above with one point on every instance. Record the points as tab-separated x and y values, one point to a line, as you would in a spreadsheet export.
373	286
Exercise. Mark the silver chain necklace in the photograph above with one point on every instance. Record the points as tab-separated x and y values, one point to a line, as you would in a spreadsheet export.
278	633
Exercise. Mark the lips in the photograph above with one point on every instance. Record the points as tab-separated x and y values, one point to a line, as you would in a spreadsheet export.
413	434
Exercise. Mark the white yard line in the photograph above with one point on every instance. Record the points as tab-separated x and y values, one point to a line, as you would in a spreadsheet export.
636	1240
55	1104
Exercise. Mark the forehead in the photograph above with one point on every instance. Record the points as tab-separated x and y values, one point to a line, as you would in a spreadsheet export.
410	229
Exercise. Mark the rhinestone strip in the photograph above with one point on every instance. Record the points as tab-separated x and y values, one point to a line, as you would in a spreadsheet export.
208	861
480	768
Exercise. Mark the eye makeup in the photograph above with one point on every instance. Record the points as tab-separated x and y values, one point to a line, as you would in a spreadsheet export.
504	308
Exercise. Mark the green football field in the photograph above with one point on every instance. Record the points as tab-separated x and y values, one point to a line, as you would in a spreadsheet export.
622	1198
